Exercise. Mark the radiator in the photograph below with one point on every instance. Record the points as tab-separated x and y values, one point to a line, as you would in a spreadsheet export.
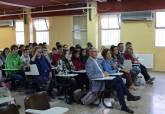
146	59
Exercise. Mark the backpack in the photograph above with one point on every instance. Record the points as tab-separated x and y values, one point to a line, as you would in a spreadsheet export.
89	98
78	94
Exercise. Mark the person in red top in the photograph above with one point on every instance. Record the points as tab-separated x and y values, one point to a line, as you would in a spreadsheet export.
57	55
130	56
78	64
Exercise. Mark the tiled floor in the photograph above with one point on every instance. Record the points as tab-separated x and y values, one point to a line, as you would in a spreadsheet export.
152	102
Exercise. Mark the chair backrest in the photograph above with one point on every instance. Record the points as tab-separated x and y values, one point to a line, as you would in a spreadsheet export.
4	92
33	70
10	109
39	101
127	64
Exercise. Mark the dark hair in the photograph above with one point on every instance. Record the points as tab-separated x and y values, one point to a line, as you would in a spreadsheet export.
128	43
89	44
13	46
71	49
5	50
40	44
104	53
53	49
112	48
57	44
27	47
78	46
120	44
44	43
25	50
21	46
74	54
34	44
64	53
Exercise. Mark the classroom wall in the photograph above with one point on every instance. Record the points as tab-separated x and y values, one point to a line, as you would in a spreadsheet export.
60	30
7	37
142	35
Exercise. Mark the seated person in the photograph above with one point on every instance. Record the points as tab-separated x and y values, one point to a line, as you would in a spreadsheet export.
129	56
83	56
78	64
57	55
94	71
42	65
45	53
65	62
135	70
4	55
13	61
115	64
26	59
82	79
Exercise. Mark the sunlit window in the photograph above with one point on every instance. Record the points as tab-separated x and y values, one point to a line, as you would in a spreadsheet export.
19	32
42	30
110	30
160	29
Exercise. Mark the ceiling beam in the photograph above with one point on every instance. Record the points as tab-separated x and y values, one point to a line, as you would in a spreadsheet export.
15	5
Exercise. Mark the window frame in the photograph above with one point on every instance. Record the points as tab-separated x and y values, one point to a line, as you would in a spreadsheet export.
157	28
17	31
104	29
47	26
78	30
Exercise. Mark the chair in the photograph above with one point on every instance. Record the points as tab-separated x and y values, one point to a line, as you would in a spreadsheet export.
5	96
102	96
38	101
10	109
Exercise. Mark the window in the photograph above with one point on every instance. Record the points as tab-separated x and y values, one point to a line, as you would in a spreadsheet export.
160	29
110	30
80	30
42	30
19	32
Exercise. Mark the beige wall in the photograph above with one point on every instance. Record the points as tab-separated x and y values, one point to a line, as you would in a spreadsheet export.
61	30
142	35
7	37
92	26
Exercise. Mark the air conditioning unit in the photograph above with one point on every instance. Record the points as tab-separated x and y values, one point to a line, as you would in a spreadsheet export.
137	16
6	23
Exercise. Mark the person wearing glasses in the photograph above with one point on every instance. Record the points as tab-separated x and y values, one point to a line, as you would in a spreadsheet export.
94	70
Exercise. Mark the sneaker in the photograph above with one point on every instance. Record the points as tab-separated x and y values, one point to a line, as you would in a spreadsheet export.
126	109
133	98
152	79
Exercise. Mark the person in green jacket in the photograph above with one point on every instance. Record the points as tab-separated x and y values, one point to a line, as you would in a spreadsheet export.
14	65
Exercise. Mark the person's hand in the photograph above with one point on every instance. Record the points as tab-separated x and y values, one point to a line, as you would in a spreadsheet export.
126	70
106	74
36	53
